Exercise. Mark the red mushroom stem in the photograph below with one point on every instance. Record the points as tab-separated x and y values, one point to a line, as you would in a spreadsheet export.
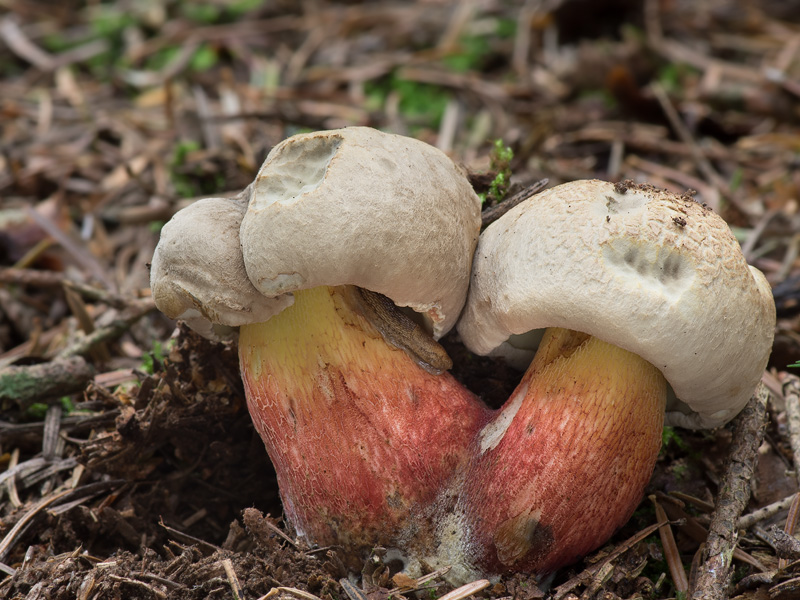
361	437
566	460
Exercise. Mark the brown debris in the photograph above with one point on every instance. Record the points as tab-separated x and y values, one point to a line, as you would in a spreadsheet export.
131	468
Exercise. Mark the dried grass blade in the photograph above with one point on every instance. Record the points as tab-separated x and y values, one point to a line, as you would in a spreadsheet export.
276	591
671	553
8	541
467	590
236	587
352	591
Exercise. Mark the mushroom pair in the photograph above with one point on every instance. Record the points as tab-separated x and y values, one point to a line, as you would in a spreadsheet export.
352	252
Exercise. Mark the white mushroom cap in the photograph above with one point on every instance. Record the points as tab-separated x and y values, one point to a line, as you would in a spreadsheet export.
652	272
357	206
354	206
197	273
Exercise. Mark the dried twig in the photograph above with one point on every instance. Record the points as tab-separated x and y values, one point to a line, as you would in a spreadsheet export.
13	534
699	504
588	573
467	590
420	582
765	512
278	591
34	383
22	46
112	331
694	529
31	277
791	393
714	571
236	587
68	372
786	545
352	591
703	164
790	525
80	254
138	584
204	546
490	215
50	437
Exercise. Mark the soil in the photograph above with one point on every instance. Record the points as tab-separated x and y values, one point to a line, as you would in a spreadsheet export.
129	467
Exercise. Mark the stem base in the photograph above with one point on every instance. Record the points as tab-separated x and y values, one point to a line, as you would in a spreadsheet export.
566	460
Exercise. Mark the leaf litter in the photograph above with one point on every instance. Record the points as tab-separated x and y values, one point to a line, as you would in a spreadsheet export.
128	465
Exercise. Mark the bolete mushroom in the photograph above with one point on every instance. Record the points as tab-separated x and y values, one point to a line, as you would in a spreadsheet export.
350	395
639	289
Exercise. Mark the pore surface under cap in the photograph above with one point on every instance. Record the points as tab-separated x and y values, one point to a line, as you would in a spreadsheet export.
357	206
652	272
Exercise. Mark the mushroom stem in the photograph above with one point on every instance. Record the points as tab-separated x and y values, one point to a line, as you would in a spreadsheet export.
362	438
566	460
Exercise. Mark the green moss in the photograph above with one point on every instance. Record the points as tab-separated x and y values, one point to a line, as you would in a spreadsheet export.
669	435
473	50
421	104
500	157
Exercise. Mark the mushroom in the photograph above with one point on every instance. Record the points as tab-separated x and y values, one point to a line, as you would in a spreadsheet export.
197	273
640	290
340	265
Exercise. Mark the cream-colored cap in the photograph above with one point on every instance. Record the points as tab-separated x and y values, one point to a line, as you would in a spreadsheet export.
197	273
647	270
356	206
353	206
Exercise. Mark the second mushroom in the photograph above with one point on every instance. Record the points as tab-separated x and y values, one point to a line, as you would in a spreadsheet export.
647	306
352	251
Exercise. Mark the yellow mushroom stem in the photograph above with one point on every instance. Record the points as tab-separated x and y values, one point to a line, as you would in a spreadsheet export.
566	460
361	436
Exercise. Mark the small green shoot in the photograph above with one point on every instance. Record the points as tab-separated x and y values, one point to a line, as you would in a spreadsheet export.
669	435
736	179
500	158
673	75
204	58
108	21
794	365
239	7
68	405
472	51
38	410
204	14
680	471
149	358
506	28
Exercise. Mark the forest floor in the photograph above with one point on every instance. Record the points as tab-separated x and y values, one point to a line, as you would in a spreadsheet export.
129	467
